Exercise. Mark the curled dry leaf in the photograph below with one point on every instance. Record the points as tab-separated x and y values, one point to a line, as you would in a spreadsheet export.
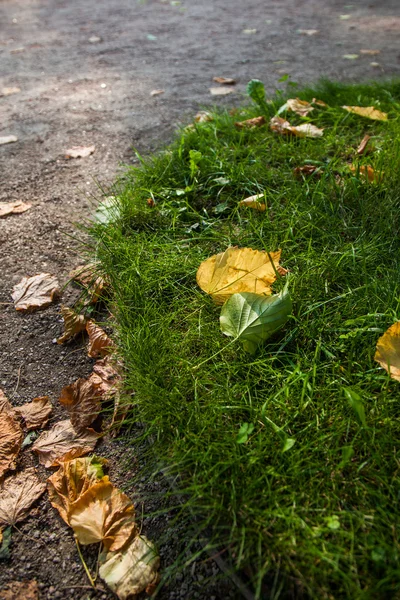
8	139
254	202
370	112
306	170
368	173
156	92
99	342
73	324
80	151
220	91
32	293
17	494
203	116
20	590
13	208
36	413
103	514
5	405
363	144
283	127
388	351
62	442
224	80
370	52
238	270
250	123
88	277
308	31
319	103
132	569
105	369
72	480
11	436
7	91
300	107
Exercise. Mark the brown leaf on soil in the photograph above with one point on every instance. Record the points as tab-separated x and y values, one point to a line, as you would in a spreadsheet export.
20	590
283	127
370	112
5	405
99	343
224	80
11	436
363	144
36	413
7	91
103	514
72	480
250	123
32	293
370	52
105	369
62	442
80	151
300	107
238	270
203	116
220	91
367	173
17	494
132	569
88	277
254	202
13	208
306	170
388	351
73	324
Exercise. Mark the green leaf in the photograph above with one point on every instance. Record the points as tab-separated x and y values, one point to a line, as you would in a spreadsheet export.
245	430
253	318
333	522
288	443
195	157
256	90
356	404
5	545
107	211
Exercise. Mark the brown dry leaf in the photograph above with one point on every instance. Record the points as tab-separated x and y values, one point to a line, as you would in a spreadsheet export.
283	127
156	92
13	208
62	442
88	277
370	52
203	116
250	123
254	202
388	351
370	112
363	144
11	436
36	413
300	107
5	405
132	569
105	369
220	91
35	292
103	514
80	151
99	343
17	494
224	80
73	324
7	91
8	139
238	270
306	170
368	173
72	480
20	590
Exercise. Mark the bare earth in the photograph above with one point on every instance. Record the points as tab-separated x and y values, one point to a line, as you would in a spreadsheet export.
86	70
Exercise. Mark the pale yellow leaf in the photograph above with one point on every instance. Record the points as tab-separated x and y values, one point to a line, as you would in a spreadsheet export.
13	208
73	324
17	494
79	151
370	112
388	351
62	442
283	127
32	293
36	413
250	123
220	91
300	107
254	202
99	342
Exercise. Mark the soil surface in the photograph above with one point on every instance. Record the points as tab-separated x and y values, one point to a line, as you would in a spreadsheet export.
86	70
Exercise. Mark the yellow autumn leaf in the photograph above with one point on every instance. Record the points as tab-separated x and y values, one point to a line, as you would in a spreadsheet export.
370	112
238	270
368	173
300	107
388	351
282	126
254	202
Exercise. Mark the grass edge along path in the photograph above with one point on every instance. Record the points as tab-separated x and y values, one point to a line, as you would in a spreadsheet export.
316	517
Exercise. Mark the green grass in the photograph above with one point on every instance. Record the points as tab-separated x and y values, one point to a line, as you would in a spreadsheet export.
321	519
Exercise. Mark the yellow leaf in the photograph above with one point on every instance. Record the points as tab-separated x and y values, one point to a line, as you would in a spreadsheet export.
36	413
368	173
62	442
370	112
35	292
300	107
254	202
388	351
89	278
203	116
250	123
283	127
238	270
99	342
17	494
73	324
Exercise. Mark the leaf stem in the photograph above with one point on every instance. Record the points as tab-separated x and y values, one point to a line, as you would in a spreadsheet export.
83	563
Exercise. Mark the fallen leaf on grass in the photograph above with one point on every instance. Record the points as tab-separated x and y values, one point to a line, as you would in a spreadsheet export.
36	413
8	139
11	436
7	91
370	112
20	590
250	123
368	173
74	323
132	569
80	151
89	278
203	116
220	91
17	494
32	293
319	103
370	52
103	514
99	343
388	351
238	270
363	144
72	480
254	202
300	107
5	405
156	92
13	208
283	127
224	80
306	170
62	442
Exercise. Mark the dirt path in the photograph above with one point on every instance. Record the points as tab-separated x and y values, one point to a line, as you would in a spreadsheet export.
86	70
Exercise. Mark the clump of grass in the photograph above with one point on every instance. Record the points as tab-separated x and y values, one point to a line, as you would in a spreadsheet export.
318	518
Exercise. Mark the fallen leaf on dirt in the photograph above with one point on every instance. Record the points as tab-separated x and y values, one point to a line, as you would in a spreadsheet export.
374	64
283	127
238	270
36	413
95	39
89	278
203	116
20	590
254	202
368	173
156	92
104	368
72	480
103	514
388	351
7	91
17	50
344	17
308	31
220	91
17	494
370	112
8	139
35	292
250	123
62	442
74	323
99	343
300	107
13	208
370	52
306	170
250	31
11	436
80	151
363	144
5	405
132	569
350	56
224	80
